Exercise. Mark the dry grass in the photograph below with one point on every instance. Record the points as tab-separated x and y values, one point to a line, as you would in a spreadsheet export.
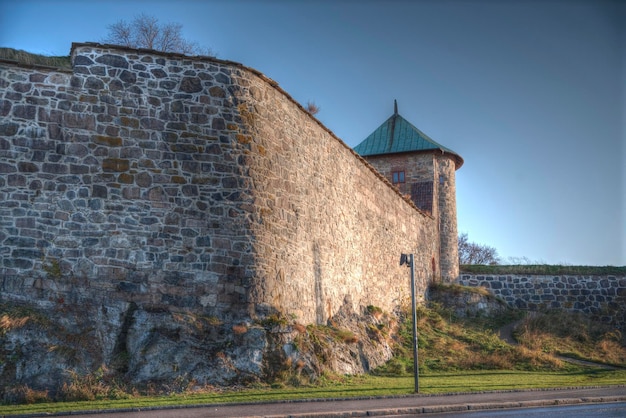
457	289
8	323
94	386
375	311
22	394
16	316
447	343
27	58
573	335
347	336
299	328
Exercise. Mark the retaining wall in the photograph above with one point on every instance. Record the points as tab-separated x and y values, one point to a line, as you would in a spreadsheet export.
603	297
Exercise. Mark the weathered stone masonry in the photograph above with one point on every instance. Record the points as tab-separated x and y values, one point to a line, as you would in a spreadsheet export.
191	183
603	297
439	169
140	185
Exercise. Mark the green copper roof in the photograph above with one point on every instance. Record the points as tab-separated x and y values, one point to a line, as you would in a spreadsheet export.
396	135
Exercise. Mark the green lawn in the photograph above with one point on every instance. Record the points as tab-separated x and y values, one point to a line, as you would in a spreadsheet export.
361	386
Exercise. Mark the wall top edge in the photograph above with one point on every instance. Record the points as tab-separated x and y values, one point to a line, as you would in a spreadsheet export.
76	46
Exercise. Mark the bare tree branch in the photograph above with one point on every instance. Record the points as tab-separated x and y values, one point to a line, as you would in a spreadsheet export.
472	253
170	39
120	33
146	32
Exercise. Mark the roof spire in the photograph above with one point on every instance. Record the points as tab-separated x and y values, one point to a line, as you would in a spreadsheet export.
392	129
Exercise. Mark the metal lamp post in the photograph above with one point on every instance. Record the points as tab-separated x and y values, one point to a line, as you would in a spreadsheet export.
408	259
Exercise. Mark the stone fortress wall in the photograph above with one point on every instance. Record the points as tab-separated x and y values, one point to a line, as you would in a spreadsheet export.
193	184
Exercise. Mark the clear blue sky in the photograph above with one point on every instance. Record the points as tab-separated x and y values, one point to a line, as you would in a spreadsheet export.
530	93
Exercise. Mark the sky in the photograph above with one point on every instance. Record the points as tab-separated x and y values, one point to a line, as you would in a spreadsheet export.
530	93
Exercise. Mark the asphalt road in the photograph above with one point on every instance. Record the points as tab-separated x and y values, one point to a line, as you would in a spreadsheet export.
394	406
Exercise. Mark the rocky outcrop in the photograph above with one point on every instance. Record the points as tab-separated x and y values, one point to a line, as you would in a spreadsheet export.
46	349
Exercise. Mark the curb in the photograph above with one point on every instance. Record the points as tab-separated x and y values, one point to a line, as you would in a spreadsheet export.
455	408
460	407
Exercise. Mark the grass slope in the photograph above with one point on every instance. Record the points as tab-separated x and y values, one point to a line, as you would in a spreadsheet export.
28	58
455	355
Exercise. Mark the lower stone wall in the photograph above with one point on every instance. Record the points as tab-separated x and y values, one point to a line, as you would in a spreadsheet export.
603	297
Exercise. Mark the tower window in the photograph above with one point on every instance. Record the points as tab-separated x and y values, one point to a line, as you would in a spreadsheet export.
422	195
397	177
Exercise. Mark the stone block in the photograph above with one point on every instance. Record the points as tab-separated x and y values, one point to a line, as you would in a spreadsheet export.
17	263
168	84
16	180
116	61
191	85
152	123
115	165
128	77
22	87
53	168
107	141
82	60
99	191
5	107
7	168
203	241
28	112
28	253
20	242
158	73
218	124
79	169
79	120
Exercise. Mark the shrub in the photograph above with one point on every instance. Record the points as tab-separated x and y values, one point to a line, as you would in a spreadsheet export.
375	311
22	394
347	336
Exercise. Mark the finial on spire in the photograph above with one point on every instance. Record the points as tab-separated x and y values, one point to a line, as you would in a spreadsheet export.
395	107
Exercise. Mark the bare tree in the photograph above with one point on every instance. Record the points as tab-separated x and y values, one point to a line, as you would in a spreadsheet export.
145	31
472	253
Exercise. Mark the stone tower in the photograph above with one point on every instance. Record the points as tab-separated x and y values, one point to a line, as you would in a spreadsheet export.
425	171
